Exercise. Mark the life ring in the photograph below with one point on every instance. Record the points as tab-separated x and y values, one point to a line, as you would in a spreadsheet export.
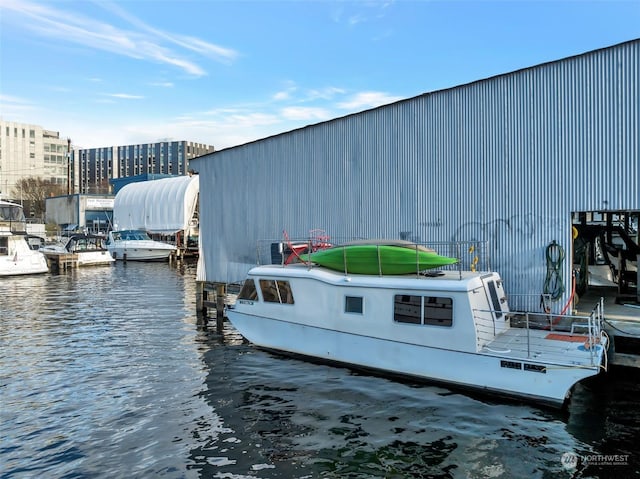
574	232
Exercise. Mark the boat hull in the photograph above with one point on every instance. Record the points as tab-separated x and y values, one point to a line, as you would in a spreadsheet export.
33	263
17	258
140	253
136	245
481	372
378	259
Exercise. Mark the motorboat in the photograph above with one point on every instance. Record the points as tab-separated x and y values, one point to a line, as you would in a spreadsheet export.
16	256
86	249
449	326
137	245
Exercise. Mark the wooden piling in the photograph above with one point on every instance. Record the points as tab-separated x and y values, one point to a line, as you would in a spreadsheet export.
210	296
220	292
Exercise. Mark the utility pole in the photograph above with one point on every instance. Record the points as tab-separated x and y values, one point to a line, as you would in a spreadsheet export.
68	166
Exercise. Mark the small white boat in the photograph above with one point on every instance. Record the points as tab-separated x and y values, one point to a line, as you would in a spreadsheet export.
87	250
452	327
16	256
136	245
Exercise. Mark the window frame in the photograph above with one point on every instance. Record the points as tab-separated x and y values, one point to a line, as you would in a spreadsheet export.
427	303
283	293
349	301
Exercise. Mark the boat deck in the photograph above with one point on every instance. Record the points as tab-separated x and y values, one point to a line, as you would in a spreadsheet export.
542	346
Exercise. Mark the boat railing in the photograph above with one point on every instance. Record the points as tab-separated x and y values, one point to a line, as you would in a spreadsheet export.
471	255
588	329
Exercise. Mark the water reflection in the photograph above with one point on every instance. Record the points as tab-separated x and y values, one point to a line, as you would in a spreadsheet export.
288	418
108	372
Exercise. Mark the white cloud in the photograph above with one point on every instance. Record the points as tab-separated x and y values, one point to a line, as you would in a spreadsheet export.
145	43
14	108
327	93
163	84
305	113
124	96
368	99
281	95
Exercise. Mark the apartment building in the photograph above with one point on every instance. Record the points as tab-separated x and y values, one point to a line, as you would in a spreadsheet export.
96	166
29	150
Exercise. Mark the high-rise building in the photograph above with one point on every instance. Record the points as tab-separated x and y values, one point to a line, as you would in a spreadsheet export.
31	151
94	167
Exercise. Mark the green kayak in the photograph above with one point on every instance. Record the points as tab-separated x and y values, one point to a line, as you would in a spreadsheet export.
378	259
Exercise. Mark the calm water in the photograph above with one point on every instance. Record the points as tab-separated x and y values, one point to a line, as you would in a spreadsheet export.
106	372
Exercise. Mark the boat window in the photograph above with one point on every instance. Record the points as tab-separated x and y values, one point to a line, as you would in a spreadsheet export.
494	299
438	311
248	291
276	291
353	304
426	310
407	309
4	246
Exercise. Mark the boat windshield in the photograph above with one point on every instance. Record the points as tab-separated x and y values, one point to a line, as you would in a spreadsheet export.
131	236
248	290
11	212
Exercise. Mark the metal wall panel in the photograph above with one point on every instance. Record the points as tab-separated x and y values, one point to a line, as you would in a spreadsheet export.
504	160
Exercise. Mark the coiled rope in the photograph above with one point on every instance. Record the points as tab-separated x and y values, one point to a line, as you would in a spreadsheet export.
553	283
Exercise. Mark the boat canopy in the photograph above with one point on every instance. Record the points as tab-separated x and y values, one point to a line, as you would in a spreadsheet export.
158	206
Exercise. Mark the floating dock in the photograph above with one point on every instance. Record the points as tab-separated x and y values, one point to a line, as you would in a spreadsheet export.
61	261
622	323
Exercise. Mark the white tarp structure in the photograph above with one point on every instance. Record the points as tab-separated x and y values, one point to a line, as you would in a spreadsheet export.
157	206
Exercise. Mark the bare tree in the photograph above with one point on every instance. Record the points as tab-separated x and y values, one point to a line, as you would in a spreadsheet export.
32	191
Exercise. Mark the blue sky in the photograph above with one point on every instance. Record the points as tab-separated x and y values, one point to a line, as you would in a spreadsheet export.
228	72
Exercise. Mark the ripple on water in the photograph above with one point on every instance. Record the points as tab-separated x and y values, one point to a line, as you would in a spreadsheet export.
105	373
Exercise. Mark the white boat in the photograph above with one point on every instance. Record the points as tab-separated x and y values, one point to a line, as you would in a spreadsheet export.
16	256
452	327
87	250
136	245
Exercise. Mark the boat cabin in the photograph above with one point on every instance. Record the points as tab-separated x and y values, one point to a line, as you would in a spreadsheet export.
463	312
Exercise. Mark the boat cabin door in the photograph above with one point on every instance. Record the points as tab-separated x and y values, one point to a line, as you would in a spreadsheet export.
497	300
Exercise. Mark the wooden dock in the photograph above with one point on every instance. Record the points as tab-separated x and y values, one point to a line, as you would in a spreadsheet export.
61	261
213	297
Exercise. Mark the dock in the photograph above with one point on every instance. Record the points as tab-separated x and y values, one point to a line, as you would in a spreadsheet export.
61	261
622	323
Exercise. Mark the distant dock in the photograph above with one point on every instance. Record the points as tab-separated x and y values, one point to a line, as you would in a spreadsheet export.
61	261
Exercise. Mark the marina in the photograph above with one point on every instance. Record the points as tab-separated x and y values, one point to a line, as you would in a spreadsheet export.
417	308
109	372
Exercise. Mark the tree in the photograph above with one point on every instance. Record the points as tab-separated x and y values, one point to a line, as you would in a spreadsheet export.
33	191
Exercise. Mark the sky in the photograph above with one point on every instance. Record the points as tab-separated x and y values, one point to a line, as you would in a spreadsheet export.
224	73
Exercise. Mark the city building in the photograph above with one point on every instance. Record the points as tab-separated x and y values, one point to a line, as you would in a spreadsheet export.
94	168
31	151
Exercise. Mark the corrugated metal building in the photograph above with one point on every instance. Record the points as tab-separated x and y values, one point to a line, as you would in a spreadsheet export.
506	160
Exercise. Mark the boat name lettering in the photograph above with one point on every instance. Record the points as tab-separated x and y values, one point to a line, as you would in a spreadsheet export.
245	301
510	364
537	368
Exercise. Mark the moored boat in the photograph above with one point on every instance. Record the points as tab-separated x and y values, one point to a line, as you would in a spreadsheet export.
137	245
16	256
455	327
88	250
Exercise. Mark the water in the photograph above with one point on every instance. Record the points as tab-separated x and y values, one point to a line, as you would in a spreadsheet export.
107	372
